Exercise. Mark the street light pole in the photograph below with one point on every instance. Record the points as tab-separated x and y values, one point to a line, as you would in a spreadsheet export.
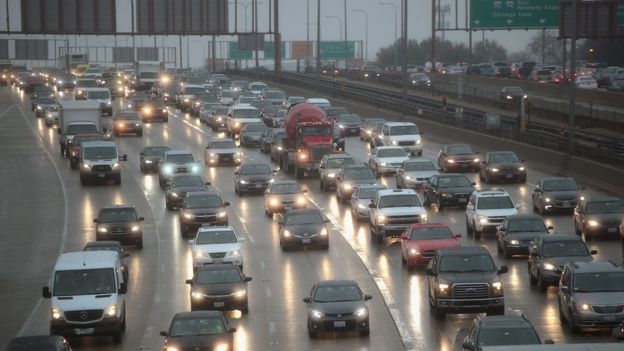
339	23
345	36
318	43
396	61
365	31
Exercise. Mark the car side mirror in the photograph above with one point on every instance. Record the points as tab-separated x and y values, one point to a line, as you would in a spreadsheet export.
367	297
305	190
372	205
189	281
564	288
307	300
522	160
549	342
581	188
126	255
95	220
235	172
326	220
226	204
430	272
550	227
503	270
58	131
473	183
208	183
468	345
501	228
593	252
46	293
141	219
339	179
232	330
141	154
123	288
247	279
123	157
164	333
518	206
457	236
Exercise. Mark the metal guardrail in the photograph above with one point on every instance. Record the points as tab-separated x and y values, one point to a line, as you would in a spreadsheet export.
587	145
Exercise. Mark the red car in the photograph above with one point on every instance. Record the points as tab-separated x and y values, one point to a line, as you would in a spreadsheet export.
73	148
420	241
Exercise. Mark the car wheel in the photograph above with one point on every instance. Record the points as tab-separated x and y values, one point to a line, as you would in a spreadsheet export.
481	175
245	310
84	180
438	314
169	205
541	284
139	243
542	210
476	233
469	230
118	179
117	338
73	164
439	204
312	334
532	279
506	252
267	213
499	249
573	328
398	183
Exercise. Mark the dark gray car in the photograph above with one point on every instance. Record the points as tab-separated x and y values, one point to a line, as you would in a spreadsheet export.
558	193
516	233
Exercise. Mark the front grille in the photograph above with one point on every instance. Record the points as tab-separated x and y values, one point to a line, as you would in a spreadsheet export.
496	219
223	156
306	236
471	291
205	218
193	348
428	253
407	143
84	315
181	170
409	219
319	151
119	230
608	309
101	168
339	314
217	255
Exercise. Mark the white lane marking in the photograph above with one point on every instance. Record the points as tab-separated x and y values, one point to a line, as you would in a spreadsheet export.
404	333
65	207
267	291
189	124
148	332
271	327
262	265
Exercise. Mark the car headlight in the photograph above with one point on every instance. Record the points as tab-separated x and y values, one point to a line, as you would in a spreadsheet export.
274	201
549	266
199	254
547	199
108	102
514	242
147	110
287	233
446	195
483	219
174	195
197	296
195	168
279	148
316	314
38	107
361	312
111	311
56	313
443	288
498	286
86	166
362	207
383	164
347	186
582	198
242	181
188	216
115	165
494	169
331	175
450	161
476	160
301	200
240	293
414	252
324	232
418	142
234	253
424	217
135	228
394	142
237	124
521	168
509	97
410	178
149	162
102	229
381	219
168	169
222	347
221	214
186	100
303	156
582	307
593	223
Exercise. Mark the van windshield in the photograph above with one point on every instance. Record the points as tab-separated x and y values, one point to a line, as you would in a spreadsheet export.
245	113
404	130
84	282
100	153
98	95
81	128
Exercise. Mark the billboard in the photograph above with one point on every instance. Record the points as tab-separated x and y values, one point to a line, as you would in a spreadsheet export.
68	16
184	17
31	49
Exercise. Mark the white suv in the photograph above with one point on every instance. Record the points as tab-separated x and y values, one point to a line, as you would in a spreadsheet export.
404	134
488	209
393	211
216	245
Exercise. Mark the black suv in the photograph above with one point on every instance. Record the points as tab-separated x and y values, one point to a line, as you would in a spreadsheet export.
221	287
516	233
501	331
465	280
202	208
548	255
448	190
119	223
502	165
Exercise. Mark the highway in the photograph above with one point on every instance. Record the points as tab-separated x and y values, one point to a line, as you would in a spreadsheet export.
44	211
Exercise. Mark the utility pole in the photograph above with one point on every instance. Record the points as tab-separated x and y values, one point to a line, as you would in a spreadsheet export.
543	45
365	32
433	37
318	43
396	60
278	43
345	37
572	107
132	32
404	68
308	51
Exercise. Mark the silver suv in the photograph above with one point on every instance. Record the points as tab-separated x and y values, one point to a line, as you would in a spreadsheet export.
394	210
486	210
174	162
591	295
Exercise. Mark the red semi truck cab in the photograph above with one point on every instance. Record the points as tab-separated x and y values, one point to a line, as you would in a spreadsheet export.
310	138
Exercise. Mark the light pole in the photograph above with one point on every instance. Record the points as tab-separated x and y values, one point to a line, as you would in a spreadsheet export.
365	31
395	31
339	22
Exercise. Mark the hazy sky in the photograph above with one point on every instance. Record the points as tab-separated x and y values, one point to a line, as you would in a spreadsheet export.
381	24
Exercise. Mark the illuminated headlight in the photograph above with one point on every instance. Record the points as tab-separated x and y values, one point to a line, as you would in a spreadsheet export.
340	126
414	252
239	294
423	217
287	233
120	89
582	307
219	119
443	288
514	242
366	75
476	160
186	100
316	314
494	170
238	154
149	162
199	254
549	266
525	96
197	104
195	168
111	311
547	199
221	214
234	253
347	187
450	161
135	228
521	168
39	107
383	164
509	97
188	216
409	178
279	148
324	232
446	195
237	124
196	296
222	347
582	198
4	76
418	142
413	82
115	165
300	200
369	132
242	181
86	166
361	312
174	195
56	313
497	286
483	219
108	102
593	223
147	110
303	156
394	142
381	219
362	207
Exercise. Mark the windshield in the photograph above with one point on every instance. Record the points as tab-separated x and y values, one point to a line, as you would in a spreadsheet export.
87	83
408	200
358	173
453	182
335	111
81	128
595	207
197	326
148	75
228	94
193	90
514	90
507	336
337	293
255	128
187	180
246	100
54	108
526	225
98	95
404	130
257	87
419	166
430	234
504	158
304	218
369	193
564	249
495	203
225	144
84	282
203	201
316	131
285	188
118	215
599	282
221	111
218	276
350	119
296	99
391	153
180	158
115	248
339	162
560	185
216	237
155	151
246	113
100	153
460	150
255	169
275	95
468	263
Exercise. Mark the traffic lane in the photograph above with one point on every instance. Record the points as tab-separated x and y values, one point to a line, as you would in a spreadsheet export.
83	204
31	216
295	275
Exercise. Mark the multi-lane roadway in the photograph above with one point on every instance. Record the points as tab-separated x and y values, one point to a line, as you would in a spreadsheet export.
44	211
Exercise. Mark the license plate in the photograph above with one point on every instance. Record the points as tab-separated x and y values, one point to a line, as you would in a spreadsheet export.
612	230
217	260
340	324
181	170
566	204
609	318
84	331
353	130
509	176
306	241
258	186
226	159
219	304
462	199
101	175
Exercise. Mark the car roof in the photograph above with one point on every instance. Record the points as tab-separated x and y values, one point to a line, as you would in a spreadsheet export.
218	267
496	322
501	152
428	225
336	282
214	228
389	147
397	192
202	193
454	145
556	178
119	206
451	175
525	216
369	186
464	250
395	124
285	181
86	260
560	237
197	314
491	193
595	267
339	155
98	143
418	160
178	152
155	147
303	211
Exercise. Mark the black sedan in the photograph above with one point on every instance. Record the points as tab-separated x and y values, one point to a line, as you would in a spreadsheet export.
252	177
220	287
251	134
552	194
42	104
39	343
515	234
599	217
513	93
120	223
151	156
154	109
179	185
125	122
350	123
337	306
203	330
502	165
448	190
303	227
109	245
202	208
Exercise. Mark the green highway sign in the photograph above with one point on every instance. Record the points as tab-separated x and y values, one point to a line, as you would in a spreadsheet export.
337	49
507	14
620	15
236	54
269	50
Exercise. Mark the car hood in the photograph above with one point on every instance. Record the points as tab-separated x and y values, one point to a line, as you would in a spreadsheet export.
84	302
186	189
560	261
462	157
421	174
252	135
499	213
392	159
600	298
562	195
204	211
153	158
432	244
341	307
305	228
195	341
209	248
506	165
361	181
401	211
224	151
219	289
524	236
256	177
468	277
284	197
248	120
459	189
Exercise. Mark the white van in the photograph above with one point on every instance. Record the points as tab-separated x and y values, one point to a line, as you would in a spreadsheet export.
87	295
101	95
404	134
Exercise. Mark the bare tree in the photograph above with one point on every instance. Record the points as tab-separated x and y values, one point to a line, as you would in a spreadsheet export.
546	47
